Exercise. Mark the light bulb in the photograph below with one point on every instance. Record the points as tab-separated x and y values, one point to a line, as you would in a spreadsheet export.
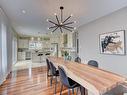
62	33
75	28
47	20
38	38
32	38
48	28
71	15
74	21
55	14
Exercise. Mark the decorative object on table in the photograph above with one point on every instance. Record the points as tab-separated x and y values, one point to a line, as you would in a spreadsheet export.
62	23
113	42
66	56
93	63
78	60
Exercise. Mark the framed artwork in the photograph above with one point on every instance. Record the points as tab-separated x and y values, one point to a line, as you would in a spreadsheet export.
112	43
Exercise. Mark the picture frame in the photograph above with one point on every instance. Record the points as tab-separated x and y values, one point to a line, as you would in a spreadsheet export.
112	42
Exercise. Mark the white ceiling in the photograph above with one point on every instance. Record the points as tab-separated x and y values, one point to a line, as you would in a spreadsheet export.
37	11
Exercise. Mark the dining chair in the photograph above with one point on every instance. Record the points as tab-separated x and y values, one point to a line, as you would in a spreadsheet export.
66	81
54	73
48	67
93	63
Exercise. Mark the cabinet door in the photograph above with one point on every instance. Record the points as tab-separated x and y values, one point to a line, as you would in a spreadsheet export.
23	55
0	56
20	43
23	43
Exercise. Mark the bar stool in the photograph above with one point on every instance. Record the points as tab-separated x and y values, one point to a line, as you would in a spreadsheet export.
54	73
93	63
40	56
66	81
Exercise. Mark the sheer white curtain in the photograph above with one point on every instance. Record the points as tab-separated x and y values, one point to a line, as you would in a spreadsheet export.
14	50
1	74
4	48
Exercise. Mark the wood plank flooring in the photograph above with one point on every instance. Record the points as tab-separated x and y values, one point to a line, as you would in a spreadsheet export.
32	81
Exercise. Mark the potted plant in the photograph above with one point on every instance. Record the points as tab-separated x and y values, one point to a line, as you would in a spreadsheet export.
65	54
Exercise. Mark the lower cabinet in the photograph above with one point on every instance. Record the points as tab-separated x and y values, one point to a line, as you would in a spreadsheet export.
21	56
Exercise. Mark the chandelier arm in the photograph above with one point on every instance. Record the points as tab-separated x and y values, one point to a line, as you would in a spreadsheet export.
67	29
68	23
55	29
52	27
53	22
62	23
66	19
57	20
61	16
61	30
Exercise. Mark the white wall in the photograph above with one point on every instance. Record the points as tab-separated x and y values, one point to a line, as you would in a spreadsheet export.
6	36
0	54
89	41
14	50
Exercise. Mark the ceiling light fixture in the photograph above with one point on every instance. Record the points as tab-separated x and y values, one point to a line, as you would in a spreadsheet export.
23	11
61	24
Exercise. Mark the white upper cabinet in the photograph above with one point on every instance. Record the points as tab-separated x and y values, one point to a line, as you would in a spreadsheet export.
23	43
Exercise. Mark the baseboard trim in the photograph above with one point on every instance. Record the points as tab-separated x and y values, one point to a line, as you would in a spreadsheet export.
4	78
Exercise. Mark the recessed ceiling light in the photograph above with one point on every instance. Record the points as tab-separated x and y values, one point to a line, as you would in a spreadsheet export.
23	11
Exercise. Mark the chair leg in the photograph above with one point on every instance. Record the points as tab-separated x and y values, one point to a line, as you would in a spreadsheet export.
51	80
55	84
61	89
82	89
68	91
77	91
72	91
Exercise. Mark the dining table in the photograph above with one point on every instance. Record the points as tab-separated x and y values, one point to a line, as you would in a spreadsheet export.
95	80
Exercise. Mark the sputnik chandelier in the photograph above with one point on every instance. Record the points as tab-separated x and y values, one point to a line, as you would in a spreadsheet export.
61	24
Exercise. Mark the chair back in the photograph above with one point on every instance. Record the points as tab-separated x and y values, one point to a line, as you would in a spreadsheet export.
93	63
63	77
53	68
48	66
78	59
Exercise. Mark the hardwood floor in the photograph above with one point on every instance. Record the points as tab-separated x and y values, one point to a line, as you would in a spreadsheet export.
32	81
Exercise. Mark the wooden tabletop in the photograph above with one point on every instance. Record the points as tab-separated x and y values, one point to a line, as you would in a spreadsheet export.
96	80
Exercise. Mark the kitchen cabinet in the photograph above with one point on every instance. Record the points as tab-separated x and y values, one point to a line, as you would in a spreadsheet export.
23	43
21	56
